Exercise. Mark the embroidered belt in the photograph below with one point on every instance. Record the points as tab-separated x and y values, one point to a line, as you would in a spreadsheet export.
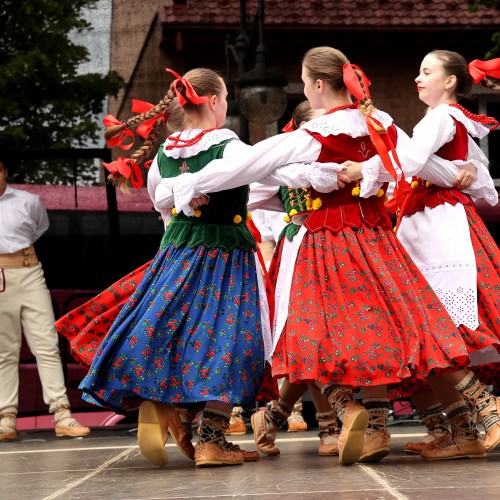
23	258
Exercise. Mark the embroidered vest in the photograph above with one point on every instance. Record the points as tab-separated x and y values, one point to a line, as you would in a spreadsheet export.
221	223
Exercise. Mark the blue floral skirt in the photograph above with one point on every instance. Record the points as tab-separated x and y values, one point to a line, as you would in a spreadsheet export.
191	332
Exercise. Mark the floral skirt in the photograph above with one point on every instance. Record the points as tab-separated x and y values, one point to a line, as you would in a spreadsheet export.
362	314
86	326
190	333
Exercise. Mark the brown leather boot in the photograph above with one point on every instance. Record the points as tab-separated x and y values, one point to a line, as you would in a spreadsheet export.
329	432
180	421
152	433
487	406
213	449
66	425
464	440
264	433
8	427
352	436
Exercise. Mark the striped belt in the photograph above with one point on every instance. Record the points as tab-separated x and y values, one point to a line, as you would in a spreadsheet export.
23	258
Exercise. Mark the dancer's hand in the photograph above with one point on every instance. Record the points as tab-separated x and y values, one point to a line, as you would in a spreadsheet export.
198	202
352	170
466	176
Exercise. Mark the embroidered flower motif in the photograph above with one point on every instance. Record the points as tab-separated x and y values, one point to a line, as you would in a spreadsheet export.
184	167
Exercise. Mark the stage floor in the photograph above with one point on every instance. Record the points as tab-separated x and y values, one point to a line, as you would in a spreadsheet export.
108	465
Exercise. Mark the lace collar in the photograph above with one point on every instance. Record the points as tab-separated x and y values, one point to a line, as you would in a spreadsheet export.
473	127
345	121
211	138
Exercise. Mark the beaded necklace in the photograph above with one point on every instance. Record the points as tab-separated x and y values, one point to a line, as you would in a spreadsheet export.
340	108
177	142
483	119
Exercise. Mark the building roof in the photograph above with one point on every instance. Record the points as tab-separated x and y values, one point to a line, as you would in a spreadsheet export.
335	13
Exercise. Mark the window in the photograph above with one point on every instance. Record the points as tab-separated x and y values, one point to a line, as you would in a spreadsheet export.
488	102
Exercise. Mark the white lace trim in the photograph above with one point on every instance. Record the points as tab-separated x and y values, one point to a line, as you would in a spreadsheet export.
461	304
447	266
323	176
483	187
370	169
184	192
474	128
345	121
214	137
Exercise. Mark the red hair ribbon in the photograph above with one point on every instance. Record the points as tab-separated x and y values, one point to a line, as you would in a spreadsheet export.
479	69
191	94
128	168
111	121
383	150
352	83
144	129
289	127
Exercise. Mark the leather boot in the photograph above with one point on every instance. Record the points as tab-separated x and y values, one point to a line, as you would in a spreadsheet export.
180	422
152	433
66	425
329	433
437	426
8	427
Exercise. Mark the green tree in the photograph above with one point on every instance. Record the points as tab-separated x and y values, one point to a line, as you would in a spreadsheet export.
44	102
489	4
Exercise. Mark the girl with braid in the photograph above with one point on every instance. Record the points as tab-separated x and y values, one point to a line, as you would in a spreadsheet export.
191	332
360	314
440	228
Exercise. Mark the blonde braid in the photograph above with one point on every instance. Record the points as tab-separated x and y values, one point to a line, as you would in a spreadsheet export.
141	153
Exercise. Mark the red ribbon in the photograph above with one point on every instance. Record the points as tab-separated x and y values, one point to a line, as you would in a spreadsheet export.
352	83
144	129
111	121
289	127
128	168
479	69
191	94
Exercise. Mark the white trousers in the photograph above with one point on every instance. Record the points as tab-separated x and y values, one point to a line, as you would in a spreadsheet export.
26	307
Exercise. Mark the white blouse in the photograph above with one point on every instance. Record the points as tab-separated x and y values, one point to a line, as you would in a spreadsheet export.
23	219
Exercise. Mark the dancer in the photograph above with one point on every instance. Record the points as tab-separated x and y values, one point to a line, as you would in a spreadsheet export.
440	228
360	313
191	332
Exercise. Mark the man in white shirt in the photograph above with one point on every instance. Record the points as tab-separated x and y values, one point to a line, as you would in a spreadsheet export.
26	307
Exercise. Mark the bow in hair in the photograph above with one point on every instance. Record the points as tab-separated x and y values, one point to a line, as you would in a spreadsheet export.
289	127
480	69
111	121
144	129
352	83
191	94
128	168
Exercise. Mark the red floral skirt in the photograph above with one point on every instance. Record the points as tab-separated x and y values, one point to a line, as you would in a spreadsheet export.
87	325
362	314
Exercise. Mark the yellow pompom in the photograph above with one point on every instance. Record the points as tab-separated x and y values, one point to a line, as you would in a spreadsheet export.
174	212
309	203
427	184
356	191
237	219
286	219
386	199
169	221
197	213
249	216
380	193
292	212
414	184
316	205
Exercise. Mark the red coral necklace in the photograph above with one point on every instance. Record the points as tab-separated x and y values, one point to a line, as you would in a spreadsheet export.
177	142
483	119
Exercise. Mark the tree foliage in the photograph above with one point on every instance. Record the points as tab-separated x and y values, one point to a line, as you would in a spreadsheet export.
489	4
44	101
